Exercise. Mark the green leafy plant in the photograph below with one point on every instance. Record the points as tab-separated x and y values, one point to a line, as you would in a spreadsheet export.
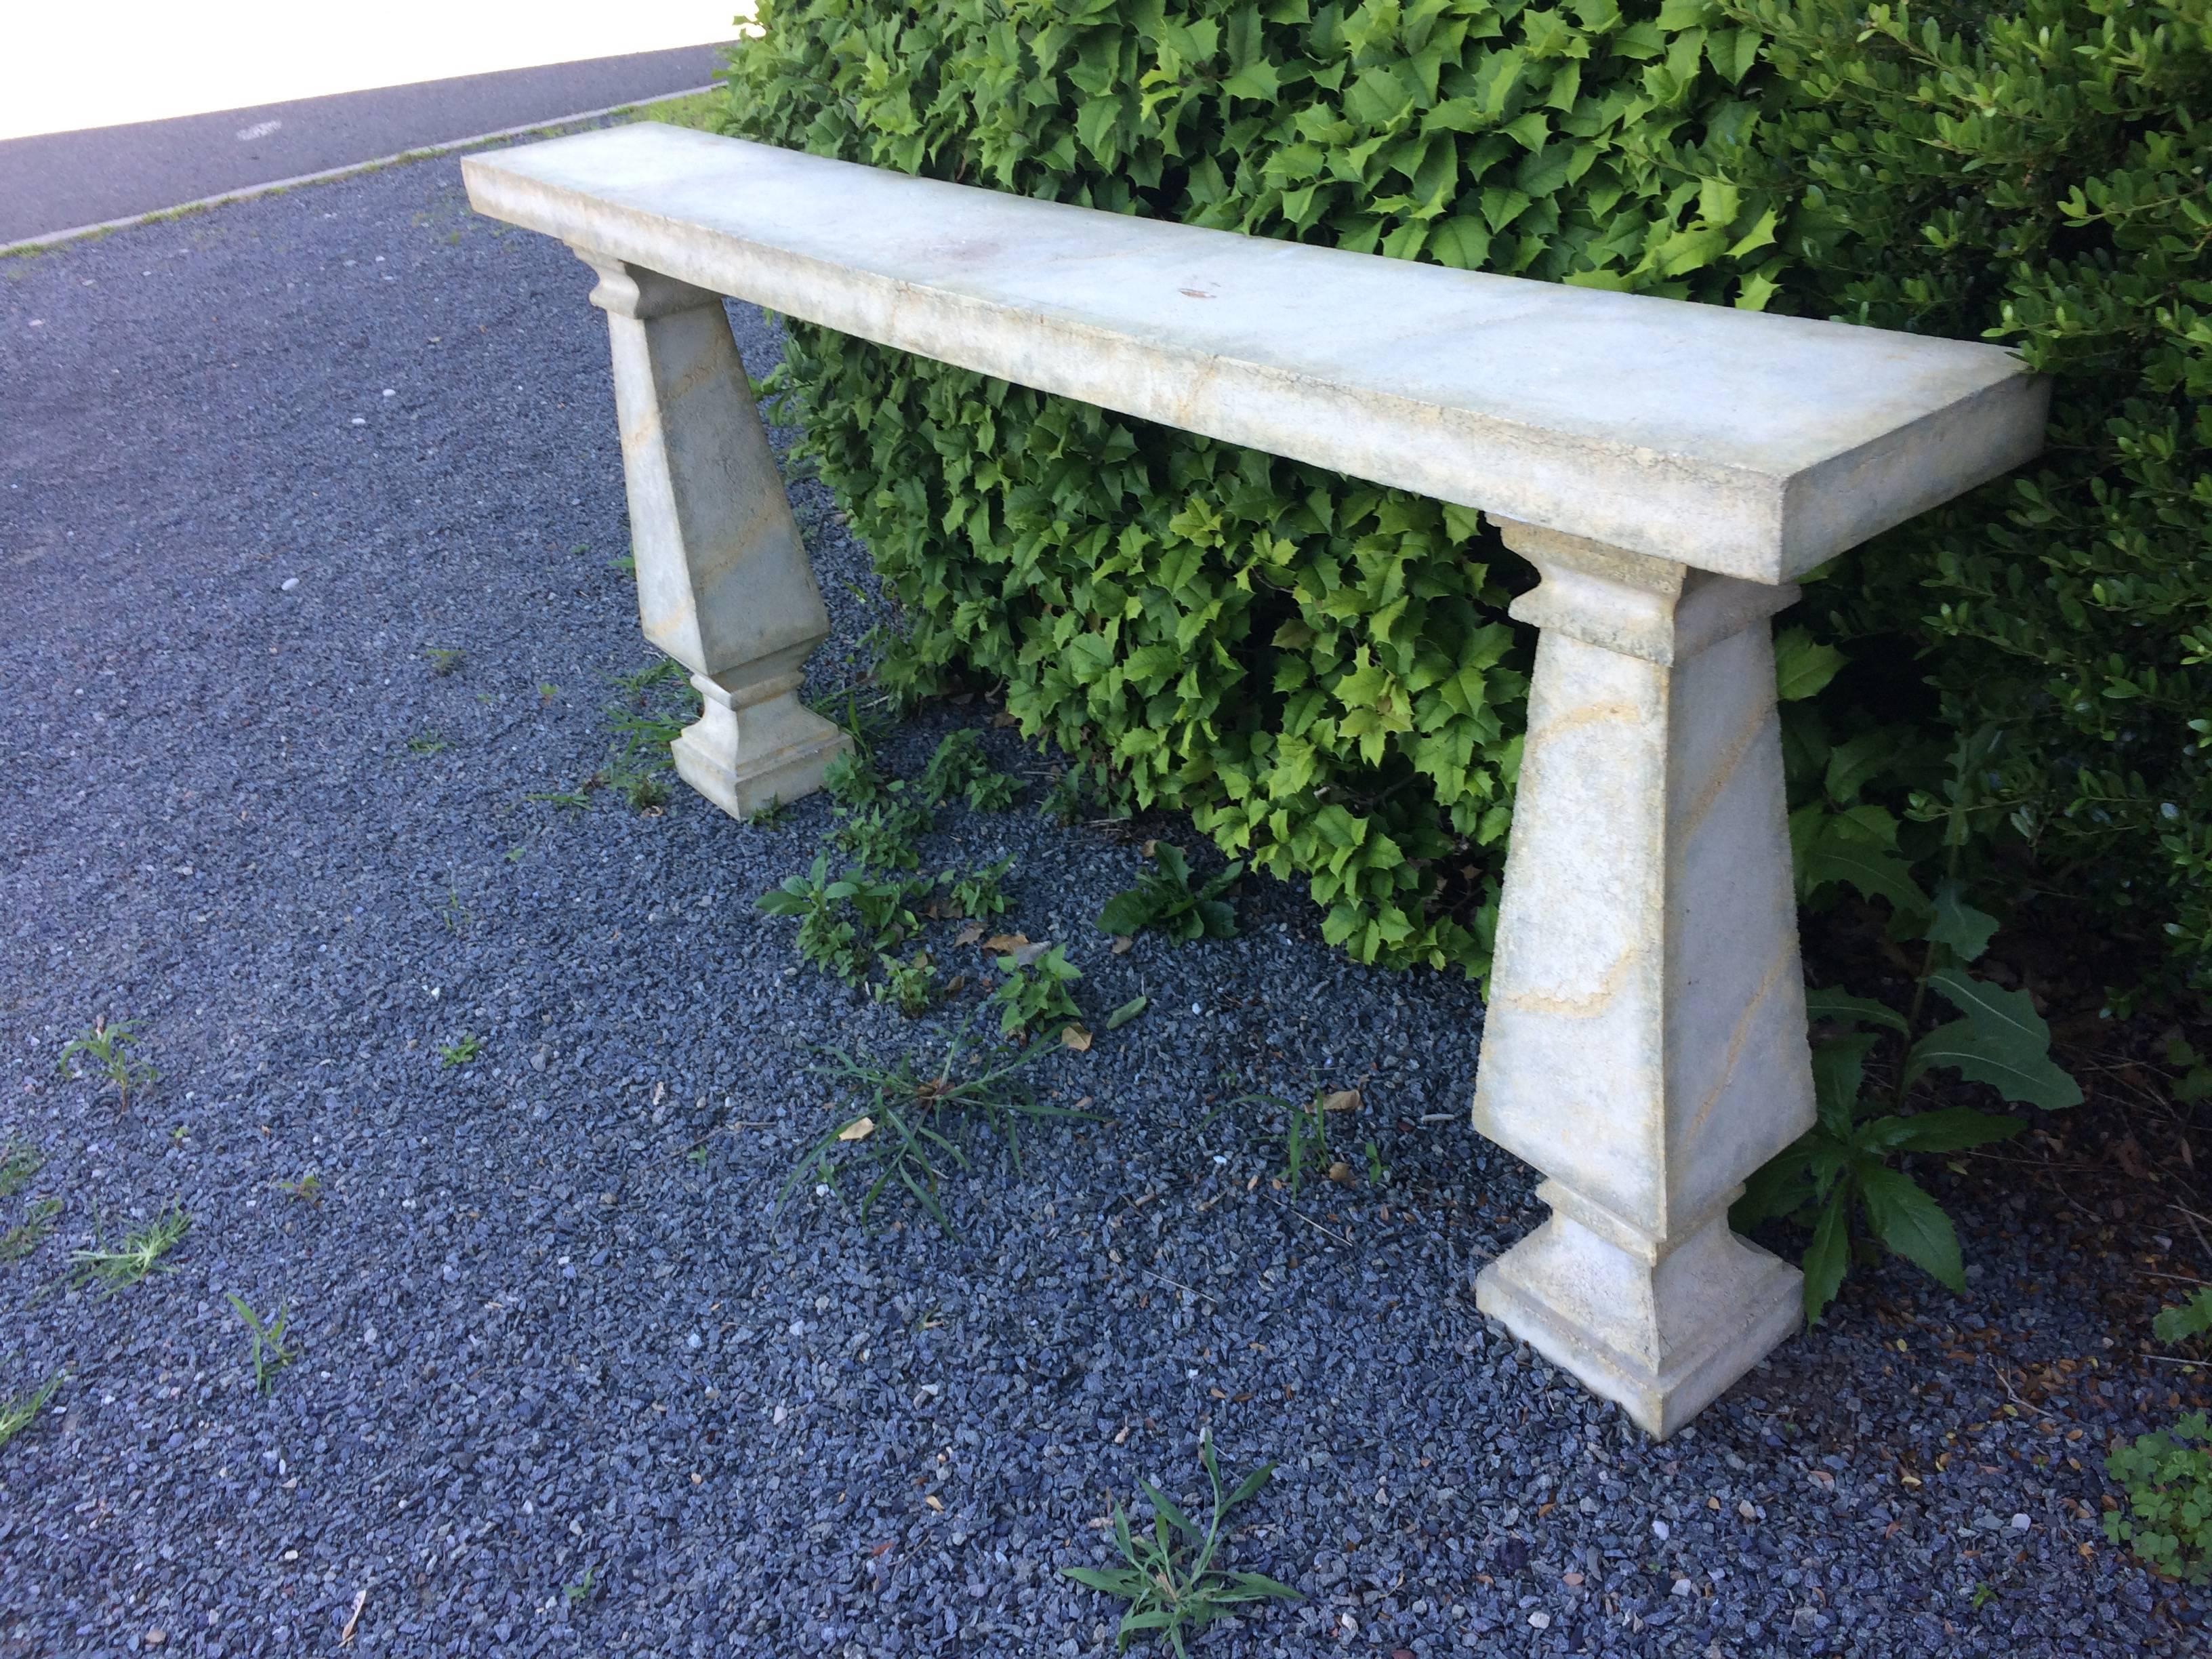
1163	898
462	1050
882	837
270	1354
444	659
17	1165
33	1230
1171	1580
852	782
307	1188
2030	174
960	768
427	743
111	1047
908	986
1316	670
975	894
584	1589
118	1267
865	713
2167	1477
1842	1172
905	1134
1034	994
2194	1083
2188	1321
18	1411
846	925
1067	798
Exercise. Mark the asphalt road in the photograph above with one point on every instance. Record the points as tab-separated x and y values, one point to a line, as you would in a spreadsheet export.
59	181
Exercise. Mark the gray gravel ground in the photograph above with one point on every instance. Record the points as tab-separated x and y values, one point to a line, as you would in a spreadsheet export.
256	462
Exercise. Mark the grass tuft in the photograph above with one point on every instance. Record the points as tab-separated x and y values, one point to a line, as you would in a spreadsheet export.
905	1135
1170	1581
117	1267
17	1411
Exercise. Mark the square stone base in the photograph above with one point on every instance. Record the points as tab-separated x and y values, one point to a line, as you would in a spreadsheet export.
754	782
1661	1337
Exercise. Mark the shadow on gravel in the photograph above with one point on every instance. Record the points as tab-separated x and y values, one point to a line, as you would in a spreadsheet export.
491	1097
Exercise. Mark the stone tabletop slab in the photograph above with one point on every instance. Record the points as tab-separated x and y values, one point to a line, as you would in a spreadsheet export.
1750	445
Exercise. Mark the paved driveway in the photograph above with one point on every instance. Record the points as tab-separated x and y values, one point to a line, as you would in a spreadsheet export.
59	181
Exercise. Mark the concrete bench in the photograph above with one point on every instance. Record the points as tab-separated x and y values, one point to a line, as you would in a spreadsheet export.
1667	468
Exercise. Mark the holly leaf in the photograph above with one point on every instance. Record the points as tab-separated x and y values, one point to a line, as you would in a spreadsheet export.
1912	1224
1801	667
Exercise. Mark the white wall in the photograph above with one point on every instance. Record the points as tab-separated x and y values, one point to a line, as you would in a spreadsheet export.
68	63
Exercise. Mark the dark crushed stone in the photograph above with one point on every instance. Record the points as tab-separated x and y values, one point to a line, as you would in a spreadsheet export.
541	1338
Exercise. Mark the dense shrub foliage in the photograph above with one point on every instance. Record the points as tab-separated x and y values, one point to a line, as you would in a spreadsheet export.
1317	669
2040	181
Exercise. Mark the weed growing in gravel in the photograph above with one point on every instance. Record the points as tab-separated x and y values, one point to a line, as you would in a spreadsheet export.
444	659
270	1354
574	800
118	1268
36	1226
452	911
584	1589
960	768
461	1051
427	743
17	1411
864	718
1305	1138
308	1189
1067	798
910	986
1163	898
21	1162
1840	1180
852	782
1306	1142
881	837
656	703
974	894
2168	1481
1171	1582
768	817
905	1133
1035	994
846	925
109	1046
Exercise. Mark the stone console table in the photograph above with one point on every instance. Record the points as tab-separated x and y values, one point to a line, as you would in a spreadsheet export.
1667	468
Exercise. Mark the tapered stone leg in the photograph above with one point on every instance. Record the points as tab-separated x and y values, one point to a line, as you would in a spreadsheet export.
723	582
1644	1044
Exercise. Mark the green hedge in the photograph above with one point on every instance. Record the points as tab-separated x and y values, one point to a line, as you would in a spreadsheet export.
1318	670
